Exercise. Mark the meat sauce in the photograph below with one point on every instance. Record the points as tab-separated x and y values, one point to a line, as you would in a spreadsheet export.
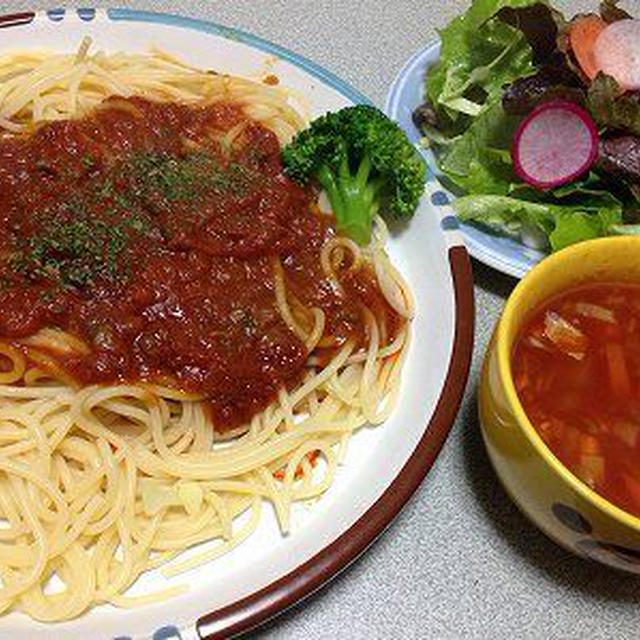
150	230
576	367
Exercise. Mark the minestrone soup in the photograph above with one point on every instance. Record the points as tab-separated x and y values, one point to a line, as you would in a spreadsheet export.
576	367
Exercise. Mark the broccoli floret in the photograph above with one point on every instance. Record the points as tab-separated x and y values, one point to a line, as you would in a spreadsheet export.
364	162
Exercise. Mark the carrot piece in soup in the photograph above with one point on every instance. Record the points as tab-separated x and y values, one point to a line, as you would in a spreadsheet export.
591	470
627	432
589	444
618	372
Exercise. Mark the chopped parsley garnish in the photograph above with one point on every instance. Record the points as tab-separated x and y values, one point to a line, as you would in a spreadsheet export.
90	236
76	252
186	178
88	161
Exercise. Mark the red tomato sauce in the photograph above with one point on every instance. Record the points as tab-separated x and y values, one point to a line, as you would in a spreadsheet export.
576	367
145	232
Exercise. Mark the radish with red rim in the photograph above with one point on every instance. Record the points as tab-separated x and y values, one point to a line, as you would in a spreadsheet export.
555	144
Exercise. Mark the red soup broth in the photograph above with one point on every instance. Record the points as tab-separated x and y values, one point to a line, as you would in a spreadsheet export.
576	367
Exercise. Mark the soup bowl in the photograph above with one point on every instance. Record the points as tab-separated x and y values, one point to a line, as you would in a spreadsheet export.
550	495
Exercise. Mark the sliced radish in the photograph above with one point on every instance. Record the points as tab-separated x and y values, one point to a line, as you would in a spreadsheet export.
617	52
556	143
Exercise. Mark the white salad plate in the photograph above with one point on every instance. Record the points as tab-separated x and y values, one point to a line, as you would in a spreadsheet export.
384	465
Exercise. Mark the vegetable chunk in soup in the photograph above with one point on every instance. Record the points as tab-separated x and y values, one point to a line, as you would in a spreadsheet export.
576	367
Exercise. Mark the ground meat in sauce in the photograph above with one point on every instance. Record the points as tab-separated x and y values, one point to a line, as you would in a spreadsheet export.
146	233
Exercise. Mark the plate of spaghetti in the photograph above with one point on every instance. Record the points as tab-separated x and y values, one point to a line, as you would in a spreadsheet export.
222	374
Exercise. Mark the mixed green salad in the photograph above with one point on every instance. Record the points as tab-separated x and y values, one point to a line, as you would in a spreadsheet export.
535	120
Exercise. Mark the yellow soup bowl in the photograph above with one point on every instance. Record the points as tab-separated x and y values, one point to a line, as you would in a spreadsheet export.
562	506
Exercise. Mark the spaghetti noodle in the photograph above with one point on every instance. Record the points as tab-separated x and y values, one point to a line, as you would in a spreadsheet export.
109	472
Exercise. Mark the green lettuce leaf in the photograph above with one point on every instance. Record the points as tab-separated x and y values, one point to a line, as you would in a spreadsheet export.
479	160
563	224
504	214
625	230
494	129
576	226
479	55
490	171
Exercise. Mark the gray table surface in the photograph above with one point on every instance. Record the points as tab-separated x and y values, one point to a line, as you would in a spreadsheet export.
460	561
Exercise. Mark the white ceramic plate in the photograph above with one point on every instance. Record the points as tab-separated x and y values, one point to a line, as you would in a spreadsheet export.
384	465
406	93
